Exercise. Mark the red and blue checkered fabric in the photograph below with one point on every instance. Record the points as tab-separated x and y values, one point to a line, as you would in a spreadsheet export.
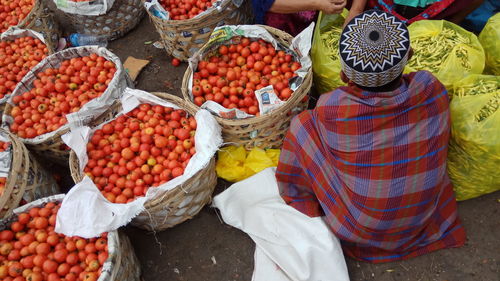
374	164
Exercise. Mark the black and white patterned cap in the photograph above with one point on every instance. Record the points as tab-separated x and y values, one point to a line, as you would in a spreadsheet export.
374	48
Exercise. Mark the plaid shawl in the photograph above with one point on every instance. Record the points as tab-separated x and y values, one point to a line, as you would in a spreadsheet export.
375	165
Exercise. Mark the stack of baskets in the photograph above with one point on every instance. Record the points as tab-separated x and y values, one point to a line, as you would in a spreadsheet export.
176	205
268	130
27	180
182	38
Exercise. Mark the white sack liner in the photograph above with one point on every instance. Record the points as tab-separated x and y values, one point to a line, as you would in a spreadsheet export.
85	8
87	213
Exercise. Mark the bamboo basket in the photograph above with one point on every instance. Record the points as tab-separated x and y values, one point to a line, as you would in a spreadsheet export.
123	16
42	20
26	179
171	207
182	38
268	130
122	263
52	147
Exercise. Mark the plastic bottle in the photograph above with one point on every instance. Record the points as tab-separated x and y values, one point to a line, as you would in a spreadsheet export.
77	39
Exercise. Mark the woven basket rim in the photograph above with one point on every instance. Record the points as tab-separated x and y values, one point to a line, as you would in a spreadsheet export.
257	119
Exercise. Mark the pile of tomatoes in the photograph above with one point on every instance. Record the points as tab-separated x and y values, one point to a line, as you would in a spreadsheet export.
3	147
146	147
185	9
12	12
32	250
16	59
58	92
232	75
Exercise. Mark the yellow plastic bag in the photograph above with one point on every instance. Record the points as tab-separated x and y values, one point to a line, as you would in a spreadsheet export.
325	52
474	150
490	39
445	49
236	164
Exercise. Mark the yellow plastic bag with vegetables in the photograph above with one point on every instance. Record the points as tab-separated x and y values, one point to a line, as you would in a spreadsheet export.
445	49
474	150
490	40
236	164
325	52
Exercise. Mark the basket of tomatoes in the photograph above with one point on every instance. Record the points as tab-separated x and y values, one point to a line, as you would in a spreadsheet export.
110	21
72	86
31	249
185	26
22	179
152	161
20	50
254	81
30	14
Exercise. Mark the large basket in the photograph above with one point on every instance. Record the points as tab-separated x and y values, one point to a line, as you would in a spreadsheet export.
122	263
123	16
268	130
173	206
42	20
182	38
27	180
51	146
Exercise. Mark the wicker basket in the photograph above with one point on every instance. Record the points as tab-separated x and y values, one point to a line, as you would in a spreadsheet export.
268	130
182	38
123	16
42	20
122	263
52	147
176	205
26	180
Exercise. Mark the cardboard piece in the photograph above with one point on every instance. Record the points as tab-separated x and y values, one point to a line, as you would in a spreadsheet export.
134	66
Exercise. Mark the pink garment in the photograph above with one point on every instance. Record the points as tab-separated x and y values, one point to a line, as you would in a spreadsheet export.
291	23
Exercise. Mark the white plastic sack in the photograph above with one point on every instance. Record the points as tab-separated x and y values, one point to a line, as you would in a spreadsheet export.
85	8
267	98
5	156
12	34
290	245
87	213
90	110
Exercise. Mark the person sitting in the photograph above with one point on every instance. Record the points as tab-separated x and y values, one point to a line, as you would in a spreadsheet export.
293	16
410	11
371	156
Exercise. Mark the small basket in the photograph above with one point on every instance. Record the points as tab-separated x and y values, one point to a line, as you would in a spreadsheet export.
171	207
52	147
182	38
122	263
42	20
123	16
268	130
26	180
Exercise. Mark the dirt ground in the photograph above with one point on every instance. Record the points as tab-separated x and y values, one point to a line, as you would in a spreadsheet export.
206	249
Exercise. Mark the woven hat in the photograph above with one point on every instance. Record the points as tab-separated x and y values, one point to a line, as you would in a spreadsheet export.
374	48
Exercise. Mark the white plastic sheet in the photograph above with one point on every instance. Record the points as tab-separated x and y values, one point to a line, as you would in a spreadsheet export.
290	246
87	213
85	8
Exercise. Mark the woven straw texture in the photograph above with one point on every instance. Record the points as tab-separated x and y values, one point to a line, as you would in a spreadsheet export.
176	205
26	180
122	263
182	38
52	147
42	20
265	131
120	19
